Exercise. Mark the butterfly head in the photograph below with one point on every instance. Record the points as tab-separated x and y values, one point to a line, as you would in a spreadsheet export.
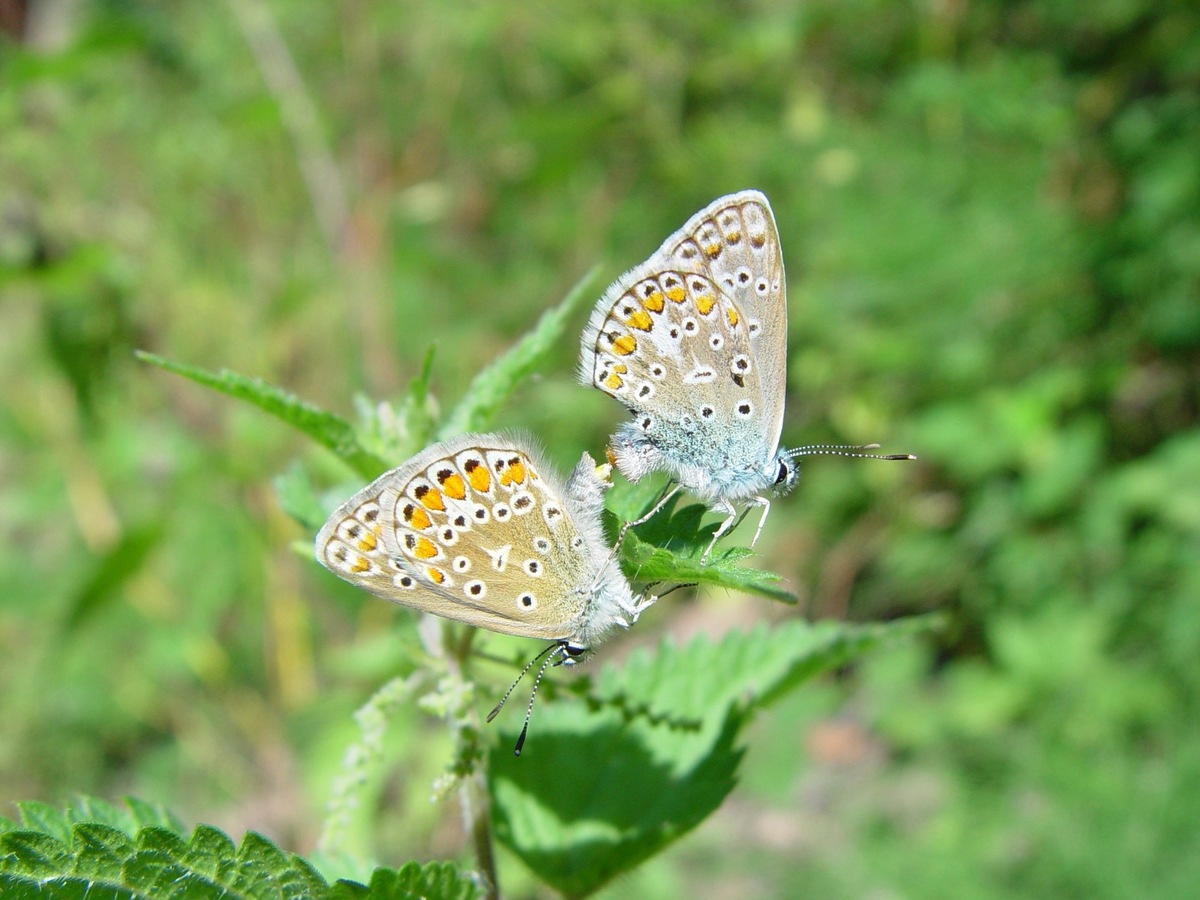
787	473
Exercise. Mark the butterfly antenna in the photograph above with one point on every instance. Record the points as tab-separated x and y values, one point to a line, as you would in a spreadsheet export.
851	450
529	665
533	696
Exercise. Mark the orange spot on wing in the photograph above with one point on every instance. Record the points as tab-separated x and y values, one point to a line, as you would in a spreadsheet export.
613	382
654	303
712	251
437	576
425	549
733	317
368	542
620	368
626	343
417	517
454	486
430	498
513	473
640	320
362	564
676	294
478	475
705	304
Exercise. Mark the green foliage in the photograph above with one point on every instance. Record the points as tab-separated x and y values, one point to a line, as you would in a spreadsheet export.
662	728
989	215
669	547
140	852
321	426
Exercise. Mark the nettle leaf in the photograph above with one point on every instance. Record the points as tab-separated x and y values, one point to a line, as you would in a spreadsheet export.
670	545
116	855
34	854
100	851
492	387
323	427
45	818
412	882
662	728
645	562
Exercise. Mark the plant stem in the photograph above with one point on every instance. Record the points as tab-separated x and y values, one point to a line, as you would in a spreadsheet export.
477	819
474	798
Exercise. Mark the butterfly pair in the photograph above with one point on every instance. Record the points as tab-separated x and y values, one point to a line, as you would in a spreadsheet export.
479	529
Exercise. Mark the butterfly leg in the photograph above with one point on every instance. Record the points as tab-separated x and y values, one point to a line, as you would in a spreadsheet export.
730	518
641	604
766	505
648	516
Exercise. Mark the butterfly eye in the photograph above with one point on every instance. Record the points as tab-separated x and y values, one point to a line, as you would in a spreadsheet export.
784	471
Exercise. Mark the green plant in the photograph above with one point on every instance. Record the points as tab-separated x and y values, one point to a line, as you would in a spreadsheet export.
664	728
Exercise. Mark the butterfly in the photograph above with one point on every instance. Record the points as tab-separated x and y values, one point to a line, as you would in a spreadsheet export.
694	343
481	530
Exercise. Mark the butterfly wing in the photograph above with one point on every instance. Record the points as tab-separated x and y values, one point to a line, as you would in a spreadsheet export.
476	529
687	342
738	242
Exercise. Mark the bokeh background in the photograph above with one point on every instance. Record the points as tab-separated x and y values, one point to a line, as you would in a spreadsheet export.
990	216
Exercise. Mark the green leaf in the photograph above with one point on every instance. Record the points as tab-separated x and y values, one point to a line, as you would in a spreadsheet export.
323	427
750	669
43	817
106	858
13	887
564	808
645	562
661	728
208	847
100	851
669	546
417	882
33	854
490	389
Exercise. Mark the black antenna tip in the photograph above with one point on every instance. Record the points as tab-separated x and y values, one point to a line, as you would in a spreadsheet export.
901	456
521	740
495	711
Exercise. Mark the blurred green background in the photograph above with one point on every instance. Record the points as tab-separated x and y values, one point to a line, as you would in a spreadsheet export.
990	216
